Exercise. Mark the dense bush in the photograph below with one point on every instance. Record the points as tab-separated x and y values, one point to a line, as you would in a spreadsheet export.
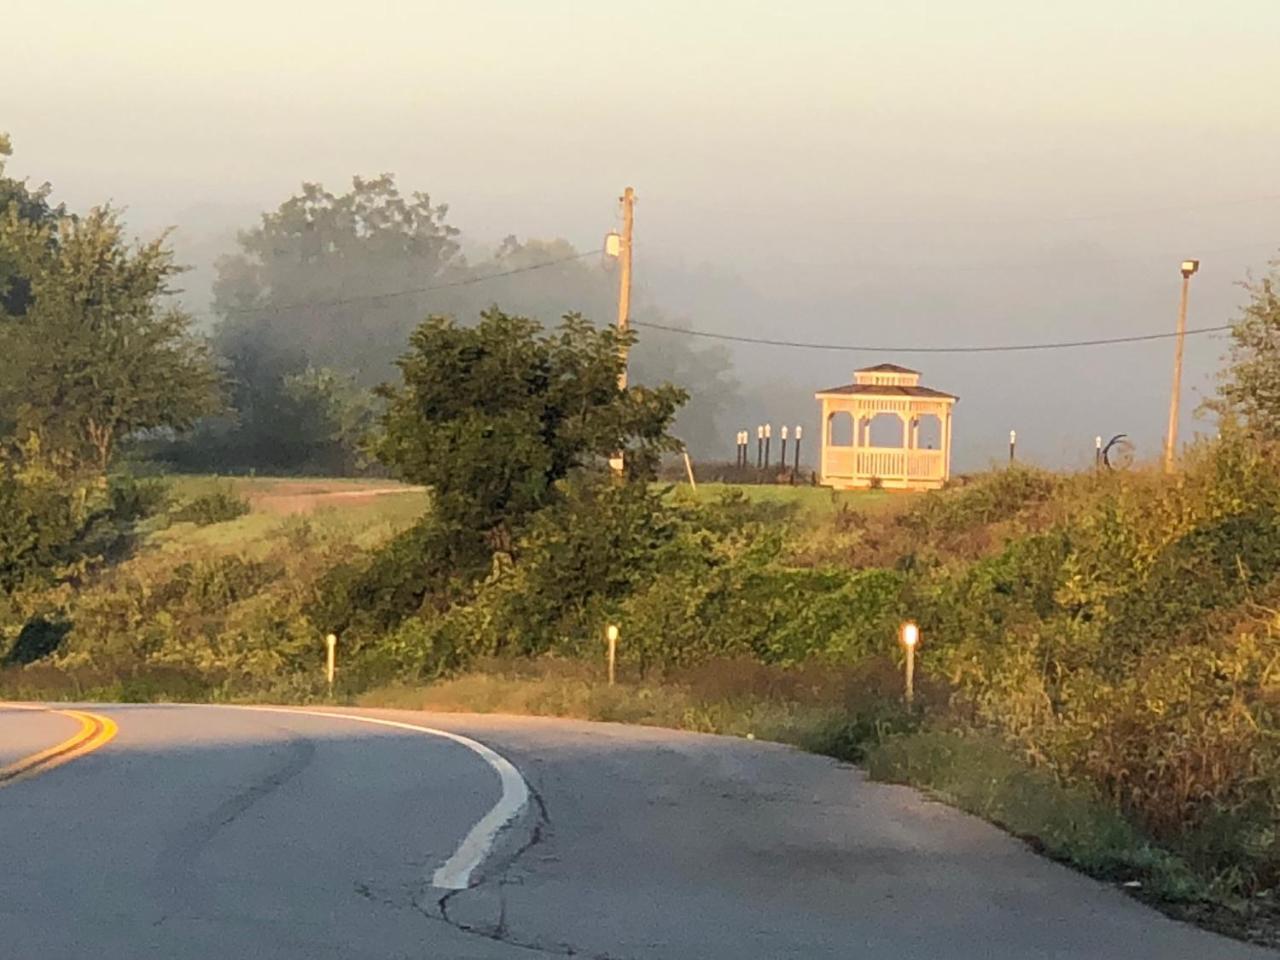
1130	648
214	506
687	583
52	531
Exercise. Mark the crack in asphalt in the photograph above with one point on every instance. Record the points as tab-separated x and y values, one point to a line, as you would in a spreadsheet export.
178	857
499	881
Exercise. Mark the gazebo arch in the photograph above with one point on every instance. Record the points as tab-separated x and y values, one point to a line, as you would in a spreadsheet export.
840	425
886	389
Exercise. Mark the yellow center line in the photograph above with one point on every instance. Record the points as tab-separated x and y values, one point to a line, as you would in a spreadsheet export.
95	731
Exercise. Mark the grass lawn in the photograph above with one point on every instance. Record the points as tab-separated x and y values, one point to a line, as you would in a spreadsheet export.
812	502
362	512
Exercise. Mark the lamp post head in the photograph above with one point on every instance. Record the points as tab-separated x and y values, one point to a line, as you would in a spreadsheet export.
768	430
611	633
1189	267
910	634
784	433
799	431
1013	436
760	432
613	244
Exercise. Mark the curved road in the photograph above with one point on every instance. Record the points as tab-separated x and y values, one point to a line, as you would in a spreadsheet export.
201	832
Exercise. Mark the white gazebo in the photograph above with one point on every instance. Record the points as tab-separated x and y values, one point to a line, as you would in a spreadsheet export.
885	389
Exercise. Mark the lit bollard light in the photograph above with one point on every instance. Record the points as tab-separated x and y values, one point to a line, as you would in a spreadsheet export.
909	634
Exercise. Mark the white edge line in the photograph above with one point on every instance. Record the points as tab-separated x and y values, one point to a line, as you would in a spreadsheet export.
454	873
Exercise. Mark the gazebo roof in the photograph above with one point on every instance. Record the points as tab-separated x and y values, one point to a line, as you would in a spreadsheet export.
887	390
886	368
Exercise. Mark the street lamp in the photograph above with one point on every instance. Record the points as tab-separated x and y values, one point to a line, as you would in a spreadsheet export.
1189	268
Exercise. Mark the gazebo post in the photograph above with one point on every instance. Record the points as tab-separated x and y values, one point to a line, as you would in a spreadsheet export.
946	446
905	419
824	441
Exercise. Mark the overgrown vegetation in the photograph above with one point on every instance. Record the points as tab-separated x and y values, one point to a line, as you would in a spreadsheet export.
213	506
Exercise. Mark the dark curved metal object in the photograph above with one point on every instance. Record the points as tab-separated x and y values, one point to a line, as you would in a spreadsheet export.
1118	453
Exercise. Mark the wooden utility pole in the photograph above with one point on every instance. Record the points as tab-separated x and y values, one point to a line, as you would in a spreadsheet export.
628	200
624	274
1189	267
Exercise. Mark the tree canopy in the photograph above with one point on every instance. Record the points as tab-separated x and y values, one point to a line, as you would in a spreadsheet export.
19	200
1249	388
95	353
492	416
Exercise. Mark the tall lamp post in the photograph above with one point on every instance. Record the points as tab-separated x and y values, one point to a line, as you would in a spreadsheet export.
1189	267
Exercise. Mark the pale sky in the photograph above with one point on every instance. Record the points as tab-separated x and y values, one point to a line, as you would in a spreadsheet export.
904	173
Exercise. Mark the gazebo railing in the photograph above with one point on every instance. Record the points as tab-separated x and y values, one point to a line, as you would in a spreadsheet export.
884	462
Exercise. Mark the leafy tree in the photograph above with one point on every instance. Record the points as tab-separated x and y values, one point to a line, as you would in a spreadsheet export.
306	293
1249	389
96	354
491	416
29	206
589	286
309	284
335	414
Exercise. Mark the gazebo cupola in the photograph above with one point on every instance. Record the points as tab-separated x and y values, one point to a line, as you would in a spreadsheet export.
885	390
887	375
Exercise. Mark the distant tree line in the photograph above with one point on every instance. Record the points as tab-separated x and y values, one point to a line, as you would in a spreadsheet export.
318	303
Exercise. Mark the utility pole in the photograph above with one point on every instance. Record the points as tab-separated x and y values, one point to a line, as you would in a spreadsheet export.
628	200
1189	267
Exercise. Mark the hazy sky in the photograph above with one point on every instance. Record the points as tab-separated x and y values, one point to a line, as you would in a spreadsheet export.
902	173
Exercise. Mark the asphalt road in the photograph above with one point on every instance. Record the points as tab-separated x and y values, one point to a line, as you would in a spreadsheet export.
208	832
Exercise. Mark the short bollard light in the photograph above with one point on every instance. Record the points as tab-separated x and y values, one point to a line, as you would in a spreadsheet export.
909	634
331	658
611	634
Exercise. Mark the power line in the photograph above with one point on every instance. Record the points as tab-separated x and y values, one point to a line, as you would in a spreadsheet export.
763	341
1046	262
411	291
1070	218
995	348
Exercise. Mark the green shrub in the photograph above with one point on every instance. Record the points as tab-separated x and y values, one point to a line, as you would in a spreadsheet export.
136	498
53	530
216	506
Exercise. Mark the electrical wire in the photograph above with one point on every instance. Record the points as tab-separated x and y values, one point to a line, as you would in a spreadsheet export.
391	295
733	338
993	348
1070	218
